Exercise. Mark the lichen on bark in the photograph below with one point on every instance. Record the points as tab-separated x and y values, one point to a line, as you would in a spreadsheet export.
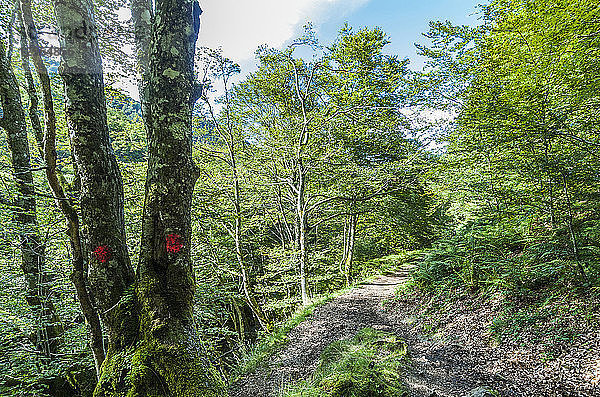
154	348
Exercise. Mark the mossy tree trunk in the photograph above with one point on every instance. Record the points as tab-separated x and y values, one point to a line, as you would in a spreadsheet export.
46	140
49	329
153	345
110	273
170	357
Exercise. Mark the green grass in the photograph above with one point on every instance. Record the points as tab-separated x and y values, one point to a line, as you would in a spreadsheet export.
368	365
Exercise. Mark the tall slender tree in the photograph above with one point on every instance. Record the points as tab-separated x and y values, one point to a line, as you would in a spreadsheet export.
230	139
48	327
46	142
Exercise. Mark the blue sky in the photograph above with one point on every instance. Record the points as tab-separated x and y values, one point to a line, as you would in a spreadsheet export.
240	26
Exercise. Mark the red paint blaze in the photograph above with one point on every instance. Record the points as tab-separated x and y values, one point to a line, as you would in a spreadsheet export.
174	243
102	253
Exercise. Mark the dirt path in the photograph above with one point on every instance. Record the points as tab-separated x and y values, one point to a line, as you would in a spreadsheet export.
340	319
450	365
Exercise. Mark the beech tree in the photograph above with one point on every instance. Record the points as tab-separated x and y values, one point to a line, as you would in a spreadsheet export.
320	124
519	162
229	145
153	346
282	95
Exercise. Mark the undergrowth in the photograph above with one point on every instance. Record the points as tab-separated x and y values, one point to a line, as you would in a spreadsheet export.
500	257
537	287
550	319
368	365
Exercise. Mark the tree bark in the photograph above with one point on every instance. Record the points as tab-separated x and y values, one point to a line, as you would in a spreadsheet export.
110	274
345	245
46	140
302	243
168	358
574	244
302	175
37	294
548	174
34	119
349	256
142	16
153	344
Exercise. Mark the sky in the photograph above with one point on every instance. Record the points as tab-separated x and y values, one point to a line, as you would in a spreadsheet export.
240	26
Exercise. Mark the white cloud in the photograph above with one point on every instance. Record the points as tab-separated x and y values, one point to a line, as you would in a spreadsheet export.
240	26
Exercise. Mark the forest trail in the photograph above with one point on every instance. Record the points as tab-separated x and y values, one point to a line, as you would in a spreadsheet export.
432	372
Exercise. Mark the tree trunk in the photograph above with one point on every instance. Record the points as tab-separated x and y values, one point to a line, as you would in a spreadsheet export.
237	318
302	175
301	224
227	133
574	244
551	209
247	286
246	281
47	144
345	245
352	222
37	293
142	16
110	273
289	233
168	358
153	344
34	119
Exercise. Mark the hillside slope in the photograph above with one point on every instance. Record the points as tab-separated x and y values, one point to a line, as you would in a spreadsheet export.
441	363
